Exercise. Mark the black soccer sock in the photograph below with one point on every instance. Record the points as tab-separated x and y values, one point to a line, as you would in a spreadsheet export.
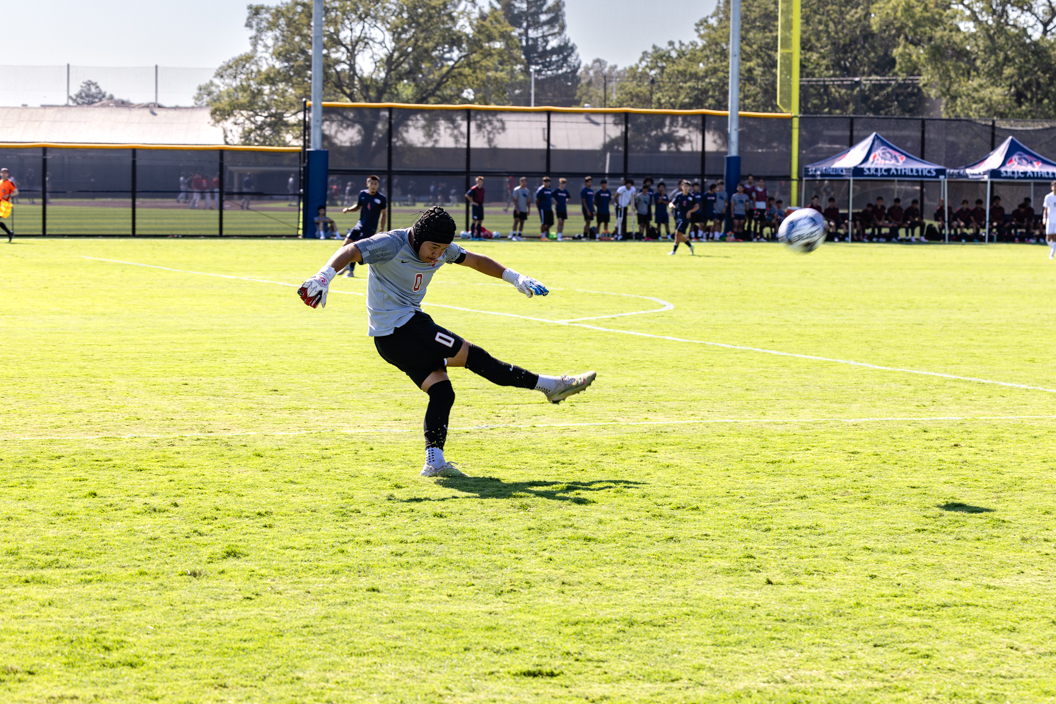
437	414
676	246
483	364
351	267
4	227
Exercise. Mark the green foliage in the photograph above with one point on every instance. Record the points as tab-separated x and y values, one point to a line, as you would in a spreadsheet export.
545	47
408	51
983	58
267	538
89	94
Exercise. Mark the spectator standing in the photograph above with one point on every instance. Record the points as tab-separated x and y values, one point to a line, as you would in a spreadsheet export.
1048	219
749	190
216	191
544	201
739	206
561	196
586	201
290	186
602	201
624	201
511	184
348	194
247	187
182	198
660	215
707	203
721	205
643	202
475	197
760	196
521	197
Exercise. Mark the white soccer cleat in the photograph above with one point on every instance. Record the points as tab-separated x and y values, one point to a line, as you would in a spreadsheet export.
570	385
447	469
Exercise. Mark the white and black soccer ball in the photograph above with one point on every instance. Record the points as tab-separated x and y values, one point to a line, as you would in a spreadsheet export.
803	230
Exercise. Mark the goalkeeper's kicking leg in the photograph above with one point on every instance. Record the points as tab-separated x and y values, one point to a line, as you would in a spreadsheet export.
442	396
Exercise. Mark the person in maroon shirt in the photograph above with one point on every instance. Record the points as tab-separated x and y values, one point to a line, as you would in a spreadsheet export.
896	216
940	214
998	226
815	204
759	199
978	218
833	218
749	190
914	221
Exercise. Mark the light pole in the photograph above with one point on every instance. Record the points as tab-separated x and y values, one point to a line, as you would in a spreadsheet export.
732	174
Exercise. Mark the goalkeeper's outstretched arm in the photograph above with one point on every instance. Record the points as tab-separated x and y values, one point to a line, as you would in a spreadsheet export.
486	265
313	291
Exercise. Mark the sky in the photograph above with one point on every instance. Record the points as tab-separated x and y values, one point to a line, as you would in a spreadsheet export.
204	33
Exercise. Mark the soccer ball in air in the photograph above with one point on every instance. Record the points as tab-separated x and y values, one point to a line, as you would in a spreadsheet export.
803	230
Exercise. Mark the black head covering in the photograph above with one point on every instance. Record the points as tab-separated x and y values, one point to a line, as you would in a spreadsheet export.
433	225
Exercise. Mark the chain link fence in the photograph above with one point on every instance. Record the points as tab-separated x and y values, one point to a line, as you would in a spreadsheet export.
166	86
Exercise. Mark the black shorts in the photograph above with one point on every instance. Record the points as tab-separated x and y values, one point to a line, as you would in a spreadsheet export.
588	215
603	218
360	232
738	217
562	215
478	212
520	215
419	347
681	225
643	220
547	217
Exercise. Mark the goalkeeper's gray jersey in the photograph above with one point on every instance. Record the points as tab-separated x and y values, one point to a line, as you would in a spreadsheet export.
398	279
521	196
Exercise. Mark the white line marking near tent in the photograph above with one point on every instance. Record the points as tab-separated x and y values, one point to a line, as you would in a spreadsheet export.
670	338
528	426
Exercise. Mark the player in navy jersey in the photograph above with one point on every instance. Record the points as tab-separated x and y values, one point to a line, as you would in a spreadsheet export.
373	211
683	205
561	196
586	200
661	201
602	199
544	201
402	264
475	196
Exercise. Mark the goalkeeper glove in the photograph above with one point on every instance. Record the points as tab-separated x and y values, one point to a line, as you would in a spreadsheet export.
313	291
525	284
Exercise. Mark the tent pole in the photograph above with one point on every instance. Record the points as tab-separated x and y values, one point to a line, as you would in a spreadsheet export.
850	210
986	204
945	204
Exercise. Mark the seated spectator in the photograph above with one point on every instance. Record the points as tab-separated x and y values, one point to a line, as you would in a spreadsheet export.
940	214
880	220
1023	222
833	219
978	219
325	227
779	214
863	222
914	221
896	215
962	221
815	204
998	226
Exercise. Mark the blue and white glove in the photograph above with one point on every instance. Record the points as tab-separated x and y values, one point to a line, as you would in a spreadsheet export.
313	291
525	284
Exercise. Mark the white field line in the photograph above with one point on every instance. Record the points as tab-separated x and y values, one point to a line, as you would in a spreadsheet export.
531	426
670	338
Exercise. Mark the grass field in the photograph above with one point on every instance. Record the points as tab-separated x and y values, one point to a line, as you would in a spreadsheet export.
210	493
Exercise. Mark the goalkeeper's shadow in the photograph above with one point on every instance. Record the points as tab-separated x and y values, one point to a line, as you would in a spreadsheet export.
494	488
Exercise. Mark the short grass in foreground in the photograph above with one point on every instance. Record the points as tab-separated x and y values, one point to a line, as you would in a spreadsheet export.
265	537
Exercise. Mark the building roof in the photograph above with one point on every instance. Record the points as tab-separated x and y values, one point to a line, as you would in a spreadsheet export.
103	124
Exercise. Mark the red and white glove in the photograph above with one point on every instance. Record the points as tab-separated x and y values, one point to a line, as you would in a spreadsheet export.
313	291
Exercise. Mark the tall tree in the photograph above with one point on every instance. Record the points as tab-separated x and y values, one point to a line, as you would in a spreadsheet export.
407	51
546	49
89	94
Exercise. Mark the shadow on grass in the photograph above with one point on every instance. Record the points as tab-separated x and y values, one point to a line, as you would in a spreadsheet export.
492	488
959	507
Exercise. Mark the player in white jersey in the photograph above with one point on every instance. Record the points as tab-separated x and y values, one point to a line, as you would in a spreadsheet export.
1048	219
624	199
402	263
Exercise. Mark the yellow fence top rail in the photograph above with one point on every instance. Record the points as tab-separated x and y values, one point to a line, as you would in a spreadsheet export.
514	108
171	147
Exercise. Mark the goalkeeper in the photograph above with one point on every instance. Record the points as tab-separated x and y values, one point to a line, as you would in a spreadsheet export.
402	264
